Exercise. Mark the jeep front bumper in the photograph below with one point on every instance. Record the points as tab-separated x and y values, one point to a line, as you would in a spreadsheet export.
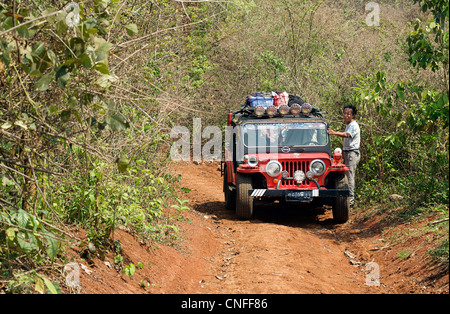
299	195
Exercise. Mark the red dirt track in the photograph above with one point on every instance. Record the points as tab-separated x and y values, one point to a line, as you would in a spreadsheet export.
279	251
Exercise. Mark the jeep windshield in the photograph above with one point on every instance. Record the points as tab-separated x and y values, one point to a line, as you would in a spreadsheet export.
293	134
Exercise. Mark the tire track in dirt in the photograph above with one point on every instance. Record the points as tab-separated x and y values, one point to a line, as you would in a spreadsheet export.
280	250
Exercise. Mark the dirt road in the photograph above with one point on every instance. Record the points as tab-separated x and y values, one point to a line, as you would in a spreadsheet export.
280	250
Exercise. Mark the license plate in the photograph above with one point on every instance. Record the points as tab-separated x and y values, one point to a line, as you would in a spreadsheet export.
299	195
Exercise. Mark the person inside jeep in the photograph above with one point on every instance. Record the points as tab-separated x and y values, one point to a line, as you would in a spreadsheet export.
285	134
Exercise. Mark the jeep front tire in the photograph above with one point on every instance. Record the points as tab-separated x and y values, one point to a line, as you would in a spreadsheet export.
244	202
341	204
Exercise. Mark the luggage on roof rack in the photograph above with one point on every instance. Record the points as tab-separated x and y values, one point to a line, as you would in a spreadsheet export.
280	98
255	101
264	99
277	103
295	100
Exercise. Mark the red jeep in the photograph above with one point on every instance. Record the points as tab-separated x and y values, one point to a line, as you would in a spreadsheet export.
282	153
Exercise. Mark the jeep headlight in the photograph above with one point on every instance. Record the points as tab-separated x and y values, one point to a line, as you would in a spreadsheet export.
283	110
295	109
273	168
271	111
317	167
259	111
252	161
306	109
299	176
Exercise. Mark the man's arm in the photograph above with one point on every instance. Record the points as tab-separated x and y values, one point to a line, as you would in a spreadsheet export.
340	134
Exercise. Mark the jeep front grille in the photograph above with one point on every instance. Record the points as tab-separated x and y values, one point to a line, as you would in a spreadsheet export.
291	167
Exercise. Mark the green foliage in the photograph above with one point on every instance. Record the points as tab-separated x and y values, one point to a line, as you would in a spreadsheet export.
441	253
408	148
26	235
81	140
129	270
180	207
275	67
425	52
439	9
413	155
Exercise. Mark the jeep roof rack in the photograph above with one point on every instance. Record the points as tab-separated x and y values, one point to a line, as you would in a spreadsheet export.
294	110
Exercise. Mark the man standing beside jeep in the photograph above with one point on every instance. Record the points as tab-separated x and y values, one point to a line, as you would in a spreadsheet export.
351	137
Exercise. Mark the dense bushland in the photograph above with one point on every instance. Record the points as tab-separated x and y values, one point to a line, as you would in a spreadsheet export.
84	117
90	91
